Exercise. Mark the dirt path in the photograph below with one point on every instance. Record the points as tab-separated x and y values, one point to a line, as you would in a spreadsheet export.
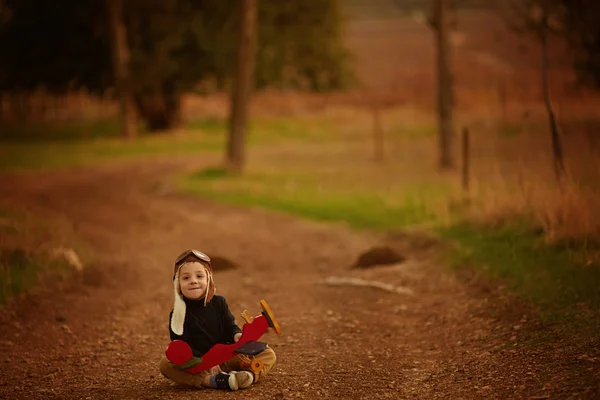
101	336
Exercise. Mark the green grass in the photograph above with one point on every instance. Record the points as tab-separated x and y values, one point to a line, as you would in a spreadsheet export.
268	130
214	126
20	270
38	146
304	195
55	155
25	259
46	152
52	132
550	276
414	132
306	179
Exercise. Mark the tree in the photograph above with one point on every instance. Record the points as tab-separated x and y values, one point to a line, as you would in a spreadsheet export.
440	22
121	67
301	46
60	45
174	47
4	12
581	22
541	19
167	57
242	87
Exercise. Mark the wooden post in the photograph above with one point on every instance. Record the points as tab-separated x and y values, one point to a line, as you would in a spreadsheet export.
121	68
503	98
557	147
440	21
243	85
465	163
378	146
3	111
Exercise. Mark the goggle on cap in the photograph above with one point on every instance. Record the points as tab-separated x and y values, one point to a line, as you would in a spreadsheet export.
179	307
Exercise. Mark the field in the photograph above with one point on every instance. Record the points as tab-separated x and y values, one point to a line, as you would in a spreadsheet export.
498	90
315	155
500	279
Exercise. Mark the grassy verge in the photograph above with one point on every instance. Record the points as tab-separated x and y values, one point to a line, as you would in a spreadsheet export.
555	277
78	152
25	252
64	155
35	146
65	131
20	271
304	195
321	169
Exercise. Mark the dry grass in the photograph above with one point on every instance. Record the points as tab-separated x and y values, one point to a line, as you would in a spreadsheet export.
28	251
498	98
511	161
22	228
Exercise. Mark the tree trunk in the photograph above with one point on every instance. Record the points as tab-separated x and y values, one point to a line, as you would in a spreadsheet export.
121	68
242	88
378	139
557	149
466	168
160	110
3	107
440	22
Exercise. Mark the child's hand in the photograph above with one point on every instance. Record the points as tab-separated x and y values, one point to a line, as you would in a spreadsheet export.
237	337
215	370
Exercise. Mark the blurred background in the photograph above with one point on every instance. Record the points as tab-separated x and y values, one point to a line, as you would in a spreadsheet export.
474	119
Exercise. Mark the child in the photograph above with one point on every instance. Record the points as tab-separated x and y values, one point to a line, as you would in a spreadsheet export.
202	319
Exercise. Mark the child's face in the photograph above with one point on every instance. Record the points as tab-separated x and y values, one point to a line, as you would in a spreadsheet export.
193	280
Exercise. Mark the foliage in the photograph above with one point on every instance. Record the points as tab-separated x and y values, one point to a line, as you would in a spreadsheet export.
582	28
578	21
539	18
174	47
309	171
288	54
60	45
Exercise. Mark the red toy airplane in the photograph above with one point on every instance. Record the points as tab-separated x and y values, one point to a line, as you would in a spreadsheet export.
180	353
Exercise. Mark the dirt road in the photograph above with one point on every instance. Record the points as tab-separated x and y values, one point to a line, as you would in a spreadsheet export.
101	335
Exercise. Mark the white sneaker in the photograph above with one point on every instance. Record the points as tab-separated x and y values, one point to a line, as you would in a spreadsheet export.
244	378
226	381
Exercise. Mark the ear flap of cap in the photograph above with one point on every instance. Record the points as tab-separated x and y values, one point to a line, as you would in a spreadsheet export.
179	308
212	290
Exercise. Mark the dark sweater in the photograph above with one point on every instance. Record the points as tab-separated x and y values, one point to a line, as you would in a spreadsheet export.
206	326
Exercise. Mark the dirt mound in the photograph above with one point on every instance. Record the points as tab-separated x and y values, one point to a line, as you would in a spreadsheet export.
220	263
382	255
101	336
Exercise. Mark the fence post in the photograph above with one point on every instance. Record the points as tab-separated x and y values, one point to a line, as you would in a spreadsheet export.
465	167
378	140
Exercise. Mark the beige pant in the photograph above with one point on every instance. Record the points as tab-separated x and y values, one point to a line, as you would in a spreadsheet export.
185	378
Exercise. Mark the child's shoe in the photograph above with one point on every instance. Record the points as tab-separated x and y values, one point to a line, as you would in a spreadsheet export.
226	381
244	378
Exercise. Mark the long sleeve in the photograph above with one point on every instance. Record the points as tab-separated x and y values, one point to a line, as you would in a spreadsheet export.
229	321
186	337
206	326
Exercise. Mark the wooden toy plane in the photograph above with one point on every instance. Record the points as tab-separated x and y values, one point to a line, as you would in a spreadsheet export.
179	352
